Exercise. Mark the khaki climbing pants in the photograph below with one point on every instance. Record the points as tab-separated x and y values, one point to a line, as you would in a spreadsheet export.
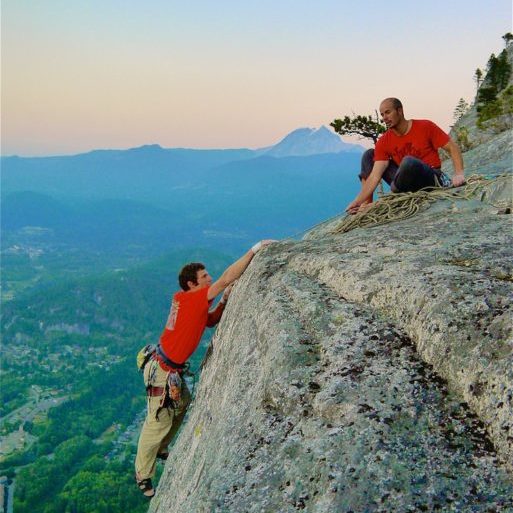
156	432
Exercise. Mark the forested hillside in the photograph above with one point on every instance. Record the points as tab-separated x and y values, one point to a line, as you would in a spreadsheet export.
71	395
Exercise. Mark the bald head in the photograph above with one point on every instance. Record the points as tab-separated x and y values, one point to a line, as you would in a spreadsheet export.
393	102
391	110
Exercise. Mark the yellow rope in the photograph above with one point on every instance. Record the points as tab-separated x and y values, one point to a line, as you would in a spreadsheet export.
394	207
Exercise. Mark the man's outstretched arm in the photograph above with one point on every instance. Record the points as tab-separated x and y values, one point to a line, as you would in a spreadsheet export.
457	161
235	270
368	186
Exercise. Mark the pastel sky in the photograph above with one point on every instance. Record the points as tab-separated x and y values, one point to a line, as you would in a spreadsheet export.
81	75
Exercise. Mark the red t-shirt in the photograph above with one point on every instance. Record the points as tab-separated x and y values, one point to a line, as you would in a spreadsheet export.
185	325
422	142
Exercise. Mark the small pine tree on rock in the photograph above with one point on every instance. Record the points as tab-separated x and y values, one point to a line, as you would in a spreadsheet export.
461	109
367	127
478	77
508	38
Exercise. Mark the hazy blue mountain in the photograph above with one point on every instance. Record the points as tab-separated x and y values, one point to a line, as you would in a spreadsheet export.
311	141
154	199
229	205
103	224
143	172
150	172
27	208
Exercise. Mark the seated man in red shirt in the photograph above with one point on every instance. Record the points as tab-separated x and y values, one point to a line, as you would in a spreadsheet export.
168	396
406	156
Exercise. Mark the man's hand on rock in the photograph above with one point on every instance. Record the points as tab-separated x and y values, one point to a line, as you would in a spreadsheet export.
262	244
355	207
458	179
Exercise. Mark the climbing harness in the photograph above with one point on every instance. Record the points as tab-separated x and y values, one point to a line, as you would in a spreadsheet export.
150	351
167	364
171	393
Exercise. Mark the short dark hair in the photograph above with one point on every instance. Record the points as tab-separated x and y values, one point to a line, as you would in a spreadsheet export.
188	273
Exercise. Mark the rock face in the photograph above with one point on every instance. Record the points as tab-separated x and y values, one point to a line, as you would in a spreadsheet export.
493	157
370	371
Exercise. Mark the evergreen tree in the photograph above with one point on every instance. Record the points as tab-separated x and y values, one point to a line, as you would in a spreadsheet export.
461	109
478	77
489	102
499	71
366	127
503	71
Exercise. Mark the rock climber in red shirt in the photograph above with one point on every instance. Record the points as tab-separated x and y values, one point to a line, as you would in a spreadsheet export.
167	392
406	156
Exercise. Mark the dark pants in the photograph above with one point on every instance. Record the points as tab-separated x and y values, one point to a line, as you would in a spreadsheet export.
412	175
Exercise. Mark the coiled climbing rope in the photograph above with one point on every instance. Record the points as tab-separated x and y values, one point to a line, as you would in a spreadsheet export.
398	206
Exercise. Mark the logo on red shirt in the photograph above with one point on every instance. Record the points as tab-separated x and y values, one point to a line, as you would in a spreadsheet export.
407	150
173	314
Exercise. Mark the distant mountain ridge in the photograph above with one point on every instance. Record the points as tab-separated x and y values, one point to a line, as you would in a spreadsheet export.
157	198
311	141
155	174
299	142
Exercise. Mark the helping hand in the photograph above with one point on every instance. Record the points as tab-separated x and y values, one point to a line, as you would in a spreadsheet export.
262	244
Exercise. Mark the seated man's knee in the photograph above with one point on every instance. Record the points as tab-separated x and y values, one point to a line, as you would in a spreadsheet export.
409	163
368	154
408	168
405	175
366	164
413	174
